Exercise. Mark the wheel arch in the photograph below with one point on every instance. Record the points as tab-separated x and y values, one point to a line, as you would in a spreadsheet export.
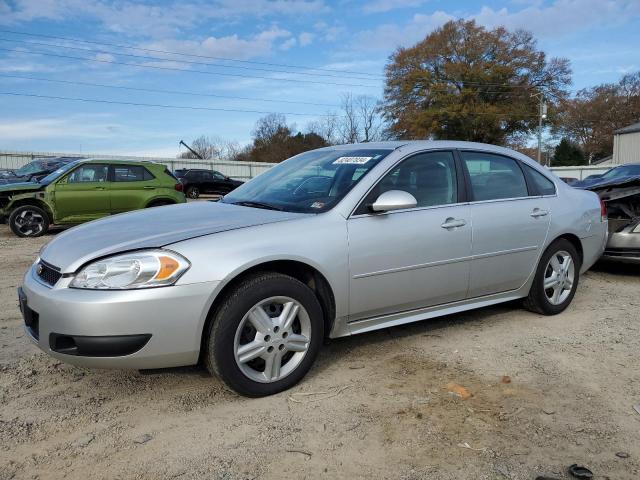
164	200
575	241
298	269
36	202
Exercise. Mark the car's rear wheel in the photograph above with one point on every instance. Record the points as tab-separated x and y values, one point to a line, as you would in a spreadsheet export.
29	221
556	280
265	335
193	192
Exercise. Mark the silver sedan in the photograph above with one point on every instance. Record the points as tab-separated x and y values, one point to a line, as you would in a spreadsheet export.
329	243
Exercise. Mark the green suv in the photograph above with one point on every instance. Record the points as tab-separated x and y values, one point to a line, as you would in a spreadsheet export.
85	190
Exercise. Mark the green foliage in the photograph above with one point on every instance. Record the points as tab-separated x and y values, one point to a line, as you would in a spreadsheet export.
465	82
568	154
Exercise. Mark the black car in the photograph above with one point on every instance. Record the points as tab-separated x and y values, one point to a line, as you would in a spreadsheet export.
34	170
197	181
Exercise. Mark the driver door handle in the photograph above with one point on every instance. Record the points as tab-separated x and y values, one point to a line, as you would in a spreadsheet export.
539	213
453	223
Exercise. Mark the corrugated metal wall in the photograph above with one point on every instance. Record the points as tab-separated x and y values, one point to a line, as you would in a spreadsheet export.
239	170
626	148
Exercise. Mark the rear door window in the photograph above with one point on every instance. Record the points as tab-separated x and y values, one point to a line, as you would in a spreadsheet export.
130	173
494	177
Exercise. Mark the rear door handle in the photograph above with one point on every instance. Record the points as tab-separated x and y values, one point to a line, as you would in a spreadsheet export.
453	223
99	188
149	187
539	213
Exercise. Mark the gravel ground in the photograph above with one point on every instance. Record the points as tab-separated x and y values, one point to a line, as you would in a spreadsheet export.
543	393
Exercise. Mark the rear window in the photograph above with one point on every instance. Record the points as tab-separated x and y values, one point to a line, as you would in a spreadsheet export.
542	184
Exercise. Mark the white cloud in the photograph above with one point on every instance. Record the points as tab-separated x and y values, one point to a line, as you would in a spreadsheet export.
132	18
560	17
390	35
75	126
230	46
305	38
545	20
379	6
288	44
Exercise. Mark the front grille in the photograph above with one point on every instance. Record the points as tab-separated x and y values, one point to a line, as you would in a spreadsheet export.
48	273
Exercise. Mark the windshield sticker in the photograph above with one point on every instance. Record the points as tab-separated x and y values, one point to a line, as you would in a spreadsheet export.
352	160
317	205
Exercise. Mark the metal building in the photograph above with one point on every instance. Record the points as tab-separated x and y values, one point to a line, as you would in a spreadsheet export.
626	145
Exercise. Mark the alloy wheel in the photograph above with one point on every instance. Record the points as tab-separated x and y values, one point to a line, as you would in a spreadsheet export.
272	339
29	223
559	277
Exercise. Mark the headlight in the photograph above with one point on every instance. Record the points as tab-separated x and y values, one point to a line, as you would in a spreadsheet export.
144	269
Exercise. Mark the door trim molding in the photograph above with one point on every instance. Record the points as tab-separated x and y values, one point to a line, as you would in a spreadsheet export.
445	262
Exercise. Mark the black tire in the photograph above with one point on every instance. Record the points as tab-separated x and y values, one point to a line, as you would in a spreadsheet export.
219	344
193	193
537	300
23	224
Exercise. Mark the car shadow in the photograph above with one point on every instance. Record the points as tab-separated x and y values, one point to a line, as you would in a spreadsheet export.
613	267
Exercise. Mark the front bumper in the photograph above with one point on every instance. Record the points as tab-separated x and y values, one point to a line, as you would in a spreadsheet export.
623	246
162	327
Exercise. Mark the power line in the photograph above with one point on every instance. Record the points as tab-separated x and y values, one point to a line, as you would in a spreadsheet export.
132	47
173	92
189	62
157	105
188	107
159	67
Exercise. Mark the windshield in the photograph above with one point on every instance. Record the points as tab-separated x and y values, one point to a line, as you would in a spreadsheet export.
624	171
31	167
312	182
55	175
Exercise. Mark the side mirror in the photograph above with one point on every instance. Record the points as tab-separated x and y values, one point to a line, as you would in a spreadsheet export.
394	200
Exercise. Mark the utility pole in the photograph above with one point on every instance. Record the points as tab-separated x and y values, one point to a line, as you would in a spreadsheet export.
542	115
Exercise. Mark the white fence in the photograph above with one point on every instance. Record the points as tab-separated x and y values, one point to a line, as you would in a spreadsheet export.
239	170
579	172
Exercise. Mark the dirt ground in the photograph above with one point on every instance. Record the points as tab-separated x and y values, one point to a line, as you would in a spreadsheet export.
374	406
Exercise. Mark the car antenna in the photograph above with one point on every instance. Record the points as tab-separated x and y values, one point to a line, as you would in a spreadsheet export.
191	149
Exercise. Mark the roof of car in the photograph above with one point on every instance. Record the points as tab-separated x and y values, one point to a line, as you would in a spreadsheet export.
117	161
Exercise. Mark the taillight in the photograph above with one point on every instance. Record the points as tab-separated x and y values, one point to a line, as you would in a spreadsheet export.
603	210
179	186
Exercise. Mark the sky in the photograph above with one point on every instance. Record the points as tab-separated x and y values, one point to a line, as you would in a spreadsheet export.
233	61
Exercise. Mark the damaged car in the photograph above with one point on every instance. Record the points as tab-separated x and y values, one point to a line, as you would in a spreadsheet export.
619	189
86	190
35	170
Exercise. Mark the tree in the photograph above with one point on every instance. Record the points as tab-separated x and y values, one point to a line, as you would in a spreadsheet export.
212	148
568	154
274	141
591	117
465	82
360	120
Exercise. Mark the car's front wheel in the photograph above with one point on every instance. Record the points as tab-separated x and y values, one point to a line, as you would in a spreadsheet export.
265	335
556	279
29	221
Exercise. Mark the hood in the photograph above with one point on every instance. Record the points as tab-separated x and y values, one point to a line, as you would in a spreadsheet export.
151	228
600	183
19	186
